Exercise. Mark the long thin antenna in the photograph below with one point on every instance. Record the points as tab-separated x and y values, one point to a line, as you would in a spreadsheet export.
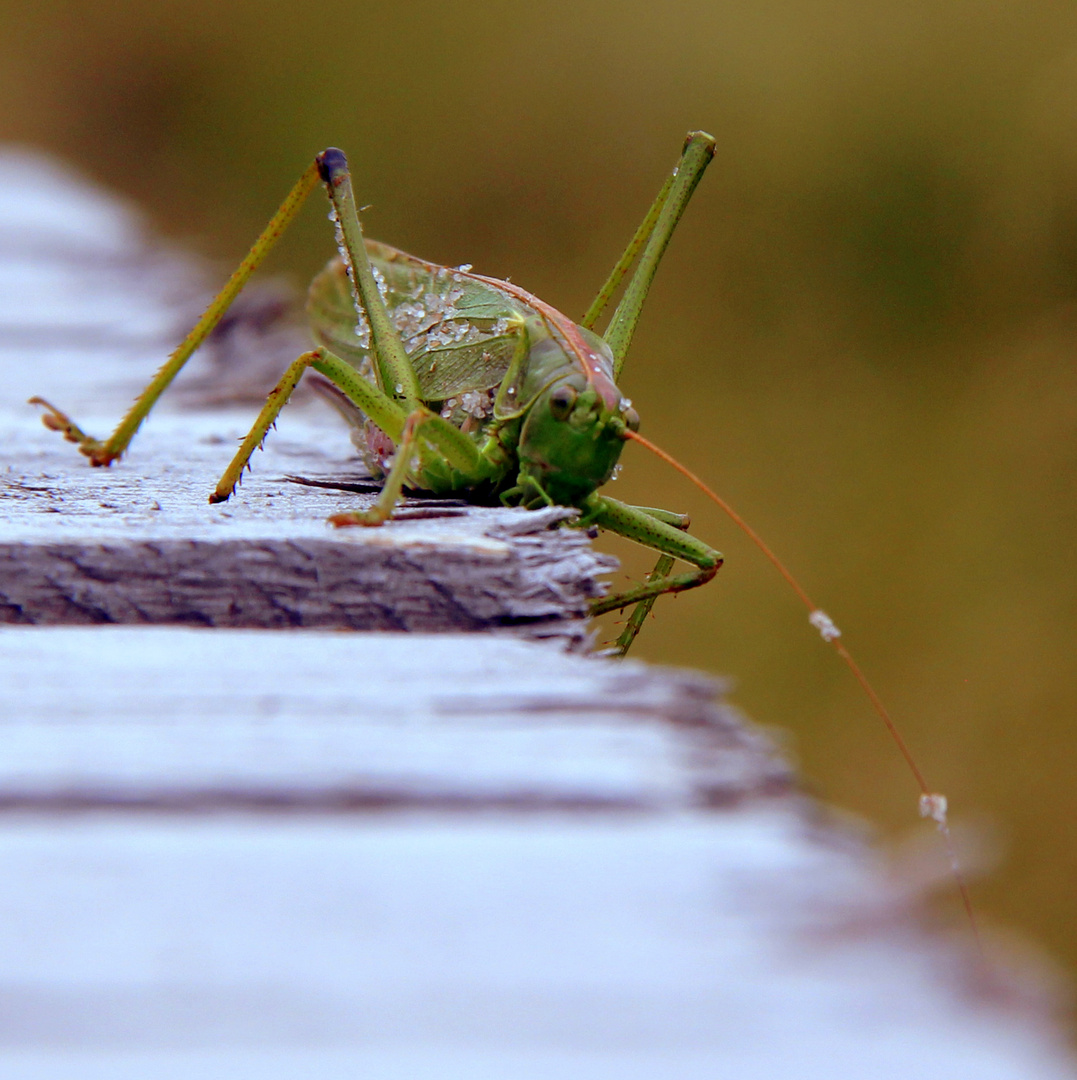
932	804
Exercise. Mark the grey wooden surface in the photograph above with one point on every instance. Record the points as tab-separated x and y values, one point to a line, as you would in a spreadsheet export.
263	854
138	543
306	850
129	718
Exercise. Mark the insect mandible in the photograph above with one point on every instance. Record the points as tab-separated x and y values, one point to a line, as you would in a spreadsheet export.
464	384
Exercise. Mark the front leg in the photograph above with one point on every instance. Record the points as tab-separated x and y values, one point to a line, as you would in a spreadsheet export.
656	529
384	411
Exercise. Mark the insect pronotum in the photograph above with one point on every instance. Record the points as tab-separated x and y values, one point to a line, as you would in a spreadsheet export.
460	383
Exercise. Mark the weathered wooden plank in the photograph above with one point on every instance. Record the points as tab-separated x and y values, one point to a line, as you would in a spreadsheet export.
138	543
197	720
420	946
237	853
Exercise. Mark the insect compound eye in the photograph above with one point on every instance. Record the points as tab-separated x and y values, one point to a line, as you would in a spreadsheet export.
631	418
561	401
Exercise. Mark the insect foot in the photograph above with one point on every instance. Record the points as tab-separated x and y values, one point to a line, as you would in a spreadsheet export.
56	420
372	517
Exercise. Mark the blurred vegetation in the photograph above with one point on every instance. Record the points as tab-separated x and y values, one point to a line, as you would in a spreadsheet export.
864	334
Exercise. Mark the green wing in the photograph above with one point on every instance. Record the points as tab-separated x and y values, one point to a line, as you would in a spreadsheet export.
455	329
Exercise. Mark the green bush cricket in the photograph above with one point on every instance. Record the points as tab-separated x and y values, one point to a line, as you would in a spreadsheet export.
463	384
481	388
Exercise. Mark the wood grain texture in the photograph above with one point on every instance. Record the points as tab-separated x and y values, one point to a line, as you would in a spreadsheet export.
138	543
198	720
261	854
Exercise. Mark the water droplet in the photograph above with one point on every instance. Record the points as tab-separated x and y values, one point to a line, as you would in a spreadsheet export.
379	280
934	806
824	624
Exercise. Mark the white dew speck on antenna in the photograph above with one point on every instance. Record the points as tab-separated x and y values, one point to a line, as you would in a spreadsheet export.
934	806
824	624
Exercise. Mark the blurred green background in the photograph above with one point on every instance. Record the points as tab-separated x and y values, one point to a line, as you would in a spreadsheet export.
864	334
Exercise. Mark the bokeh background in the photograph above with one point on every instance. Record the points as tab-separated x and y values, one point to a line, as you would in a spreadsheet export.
864	335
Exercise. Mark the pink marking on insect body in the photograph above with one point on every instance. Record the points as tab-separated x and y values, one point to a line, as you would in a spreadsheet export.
379	448
593	364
